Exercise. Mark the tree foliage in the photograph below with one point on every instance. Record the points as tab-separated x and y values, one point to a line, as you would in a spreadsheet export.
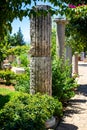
75	2
10	9
76	30
14	40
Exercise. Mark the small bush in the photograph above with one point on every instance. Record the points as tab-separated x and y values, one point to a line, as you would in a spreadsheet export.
18	50
23	81
28	112
62	84
7	76
24	60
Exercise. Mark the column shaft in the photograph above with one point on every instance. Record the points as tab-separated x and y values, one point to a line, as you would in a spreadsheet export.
40	63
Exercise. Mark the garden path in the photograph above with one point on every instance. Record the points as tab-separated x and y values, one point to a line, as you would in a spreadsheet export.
75	116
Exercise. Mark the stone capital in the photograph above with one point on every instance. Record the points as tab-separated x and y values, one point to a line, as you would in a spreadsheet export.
61	21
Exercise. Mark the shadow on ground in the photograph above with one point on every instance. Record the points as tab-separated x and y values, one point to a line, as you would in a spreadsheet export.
82	64
65	126
73	108
82	89
3	100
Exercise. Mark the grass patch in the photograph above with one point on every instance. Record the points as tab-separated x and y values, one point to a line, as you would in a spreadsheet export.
6	95
4	91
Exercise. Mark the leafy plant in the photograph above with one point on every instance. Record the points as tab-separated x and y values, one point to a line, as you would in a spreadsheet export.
23	82
26	111
53	48
18	50
76	28
3	50
7	76
62	84
24	60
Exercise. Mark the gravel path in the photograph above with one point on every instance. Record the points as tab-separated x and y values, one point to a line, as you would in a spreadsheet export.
75	117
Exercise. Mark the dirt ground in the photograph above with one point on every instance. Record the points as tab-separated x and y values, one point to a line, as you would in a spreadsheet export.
7	87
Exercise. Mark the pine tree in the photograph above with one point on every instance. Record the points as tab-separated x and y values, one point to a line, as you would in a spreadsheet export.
18	38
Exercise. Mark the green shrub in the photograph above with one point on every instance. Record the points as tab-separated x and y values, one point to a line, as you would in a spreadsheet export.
24	60
7	76
28	112
22	53
18	50
23	81
62	84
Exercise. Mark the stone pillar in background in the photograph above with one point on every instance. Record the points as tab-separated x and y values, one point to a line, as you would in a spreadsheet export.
40	62
68	56
18	61
75	64
60	37
82	56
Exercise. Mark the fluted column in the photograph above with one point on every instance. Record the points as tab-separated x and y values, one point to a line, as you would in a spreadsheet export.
60	37
40	62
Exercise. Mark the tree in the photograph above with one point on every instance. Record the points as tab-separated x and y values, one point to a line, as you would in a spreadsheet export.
18	38
14	40
76	30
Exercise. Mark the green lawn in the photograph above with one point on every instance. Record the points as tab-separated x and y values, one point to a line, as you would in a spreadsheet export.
5	96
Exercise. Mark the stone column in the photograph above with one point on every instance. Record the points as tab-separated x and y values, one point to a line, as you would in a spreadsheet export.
82	56
68	56
60	37
75	63
40	62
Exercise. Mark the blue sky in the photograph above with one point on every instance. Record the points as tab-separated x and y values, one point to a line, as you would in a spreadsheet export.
25	27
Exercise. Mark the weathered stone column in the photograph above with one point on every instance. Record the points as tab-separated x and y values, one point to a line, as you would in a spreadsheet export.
82	56
68	56
40	63
60	37
75	63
